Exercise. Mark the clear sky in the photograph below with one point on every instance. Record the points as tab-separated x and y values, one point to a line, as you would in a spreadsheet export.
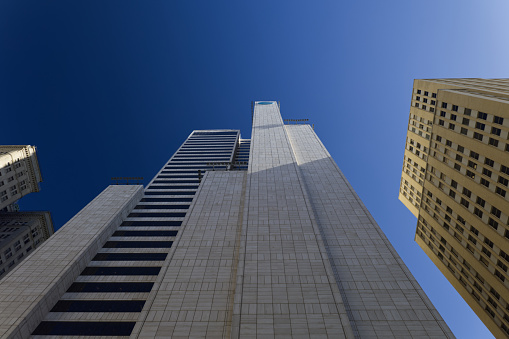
112	88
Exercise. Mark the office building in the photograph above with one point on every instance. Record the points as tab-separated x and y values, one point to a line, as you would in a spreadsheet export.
455	180
19	175
20	232
232	238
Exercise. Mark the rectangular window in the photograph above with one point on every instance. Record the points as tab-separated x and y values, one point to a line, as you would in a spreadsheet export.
470	174
418	91
485	182
442	113
467	111
464	202
465	121
480	201
474	155
472	164
444	104
480	126
448	143
478	136
454	184
500	191
498	120
440	122
464	131
459	158
455	108
489	162
503	180
478	212
496	131
467	192
457	167
482	115
493	142
433	95
495	211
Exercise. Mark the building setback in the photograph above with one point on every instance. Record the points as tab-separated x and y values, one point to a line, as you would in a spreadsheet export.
455	181
232	238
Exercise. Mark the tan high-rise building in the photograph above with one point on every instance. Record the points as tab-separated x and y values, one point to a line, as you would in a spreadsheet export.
455	181
20	232
19	174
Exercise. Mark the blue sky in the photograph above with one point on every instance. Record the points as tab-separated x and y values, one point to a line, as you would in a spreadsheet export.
111	88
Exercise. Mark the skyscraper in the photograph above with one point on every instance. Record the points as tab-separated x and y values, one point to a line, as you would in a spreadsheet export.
455	180
232	238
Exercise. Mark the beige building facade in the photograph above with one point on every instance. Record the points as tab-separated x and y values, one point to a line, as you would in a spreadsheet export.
20	232
455	180
19	174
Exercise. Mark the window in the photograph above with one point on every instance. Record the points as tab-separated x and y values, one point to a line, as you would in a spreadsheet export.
493	142
8	253
480	201
454	184
503	180
478	136
444	104
440	122
472	164
442	113
474	155
464	202
480	126
433	102
426	93
448	143
17	245
486	172
416	104
423	107
485	182
418	91
482	115
455	108
467	192
425	100
452	194
470	174
496	131
489	162
500	191
498	120
457	167
459	158
418	98
467	111
495	211
464	131
433	95
465	121
460	149
478	212
439	138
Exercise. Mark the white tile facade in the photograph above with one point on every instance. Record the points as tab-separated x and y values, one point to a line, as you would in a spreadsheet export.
29	291
381	295
193	295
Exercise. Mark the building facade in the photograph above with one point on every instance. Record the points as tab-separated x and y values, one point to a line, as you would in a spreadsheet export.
20	232
19	174
455	180
232	238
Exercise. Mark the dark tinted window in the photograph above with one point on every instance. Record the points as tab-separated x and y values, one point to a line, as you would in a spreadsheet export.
172	187
162	207
98	306
92	328
130	257
111	287
152	223
167	199
145	234
158	215
169	193
138	244
121	271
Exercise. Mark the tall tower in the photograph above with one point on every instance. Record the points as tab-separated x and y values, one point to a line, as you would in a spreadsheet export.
232	238
455	181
